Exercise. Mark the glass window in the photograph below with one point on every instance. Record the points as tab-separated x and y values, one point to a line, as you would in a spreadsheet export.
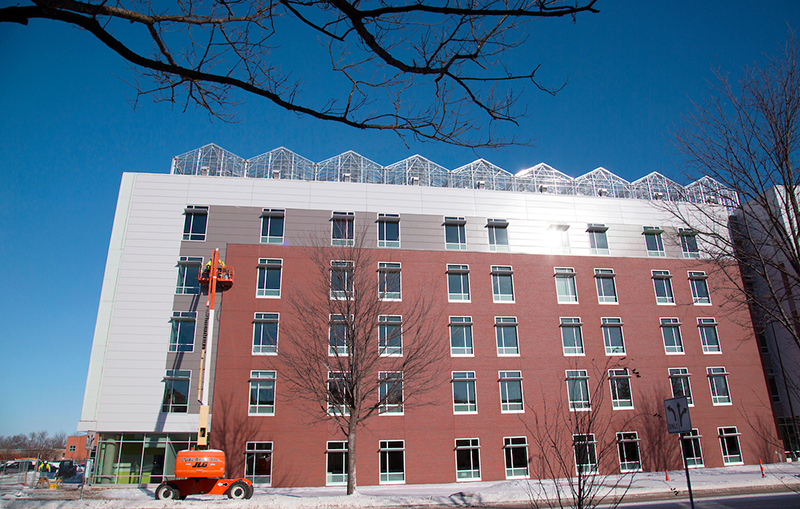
585	453
461	335
339	398
458	283
691	449
698	282
729	440
337	455
558	235
392	454
511	391
505	328
455	236
597	239
772	385
262	393
269	278
502	284
342	224
679	381
516	453
188	270
612	336
464	392
389	281
708	335
391	392
341	279
194	224
578	389
265	333
718	380
182	337
565	285
390	335
606	289
337	336
176	391
272	226
468	461
652	238
388	230
571	337
628	448
671	332
663	287
689	242
498	234
620	381
258	463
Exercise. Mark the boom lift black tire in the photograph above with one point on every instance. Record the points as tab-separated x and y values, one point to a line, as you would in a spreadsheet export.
250	491
238	491
167	491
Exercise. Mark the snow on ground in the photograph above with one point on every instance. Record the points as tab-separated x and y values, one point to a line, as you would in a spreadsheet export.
728	480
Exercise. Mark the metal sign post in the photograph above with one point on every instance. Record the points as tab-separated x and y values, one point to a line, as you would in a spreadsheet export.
678	421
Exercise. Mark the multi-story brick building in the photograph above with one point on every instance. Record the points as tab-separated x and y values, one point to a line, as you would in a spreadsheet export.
548	287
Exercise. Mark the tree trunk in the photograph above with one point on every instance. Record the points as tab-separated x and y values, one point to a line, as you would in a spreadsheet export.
351	456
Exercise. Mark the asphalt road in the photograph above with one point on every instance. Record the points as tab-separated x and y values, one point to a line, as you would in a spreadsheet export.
760	501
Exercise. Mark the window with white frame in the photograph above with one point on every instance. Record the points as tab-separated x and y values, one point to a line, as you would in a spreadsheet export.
699	284
606	289
511	392
498	234
194	224
458	283
689	242
392	461
461	335
671	332
262	393
505	328
272	226
679	381
339	397
612	336
388	230
389	281
516	454
571	336
337	336
663	287
188	270
558	235
337	455
455	236
464	400
258	463
690	447
181	338
391	392
341	279
620	381
585	453
708	335
653	241
468	461
176	391
390	335
598	242
502	284
265	333
578	389
342	228
718	380
729	440
628	449
566	291
269	278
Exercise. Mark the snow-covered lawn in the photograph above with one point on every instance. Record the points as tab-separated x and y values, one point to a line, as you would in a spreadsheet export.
725	480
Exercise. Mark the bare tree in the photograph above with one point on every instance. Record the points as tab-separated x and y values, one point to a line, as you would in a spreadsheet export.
421	69
353	349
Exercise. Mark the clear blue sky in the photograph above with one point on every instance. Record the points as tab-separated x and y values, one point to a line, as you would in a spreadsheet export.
68	132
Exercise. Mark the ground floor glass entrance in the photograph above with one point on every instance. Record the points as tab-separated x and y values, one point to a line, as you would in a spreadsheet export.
138	458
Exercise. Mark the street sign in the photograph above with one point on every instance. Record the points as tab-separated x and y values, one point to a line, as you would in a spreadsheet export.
677	413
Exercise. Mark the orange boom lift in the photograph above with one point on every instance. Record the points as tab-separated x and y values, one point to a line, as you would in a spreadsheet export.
201	471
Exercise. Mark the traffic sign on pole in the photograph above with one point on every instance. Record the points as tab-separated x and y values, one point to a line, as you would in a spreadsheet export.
677	412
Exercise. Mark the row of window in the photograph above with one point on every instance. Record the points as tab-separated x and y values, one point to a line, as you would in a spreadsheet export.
388	232
467	456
